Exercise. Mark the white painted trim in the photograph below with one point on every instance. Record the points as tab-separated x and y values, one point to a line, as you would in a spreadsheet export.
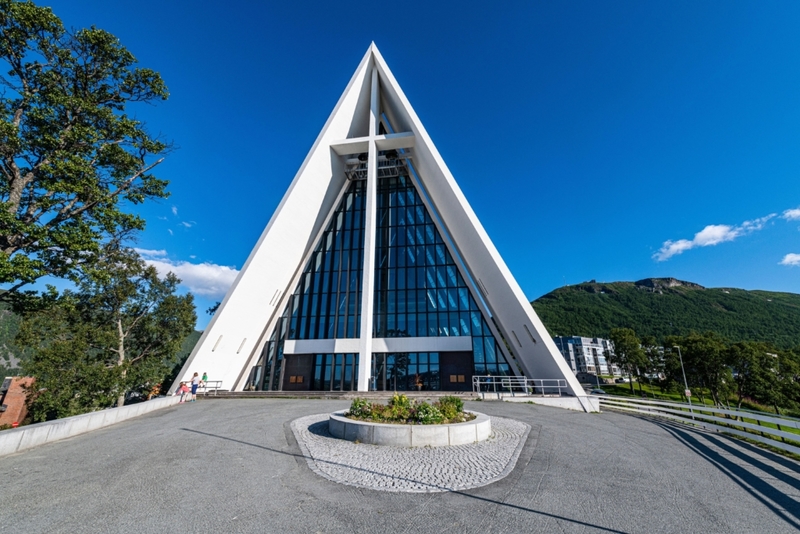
360	145
295	222
502	293
252	304
321	346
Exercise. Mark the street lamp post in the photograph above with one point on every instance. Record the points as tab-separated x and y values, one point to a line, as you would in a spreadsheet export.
686	385
597	370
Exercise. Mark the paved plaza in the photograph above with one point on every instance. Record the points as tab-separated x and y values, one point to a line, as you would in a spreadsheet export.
235	466
412	469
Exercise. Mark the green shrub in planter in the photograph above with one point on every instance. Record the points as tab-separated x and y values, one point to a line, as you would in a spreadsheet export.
402	410
427	414
360	408
450	406
400	407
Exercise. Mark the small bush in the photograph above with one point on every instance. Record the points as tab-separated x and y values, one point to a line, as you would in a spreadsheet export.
403	410
427	414
360	408
450	406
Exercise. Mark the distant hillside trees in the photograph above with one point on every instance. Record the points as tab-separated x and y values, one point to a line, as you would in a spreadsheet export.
667	307
118	332
628	354
737	371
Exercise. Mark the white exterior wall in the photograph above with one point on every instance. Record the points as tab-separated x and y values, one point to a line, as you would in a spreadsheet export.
235	334
234	338
533	346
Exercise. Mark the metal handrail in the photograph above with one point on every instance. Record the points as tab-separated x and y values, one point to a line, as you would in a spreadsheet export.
541	387
708	417
205	386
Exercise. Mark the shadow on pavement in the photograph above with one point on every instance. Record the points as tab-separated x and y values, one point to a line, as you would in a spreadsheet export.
321	429
756	484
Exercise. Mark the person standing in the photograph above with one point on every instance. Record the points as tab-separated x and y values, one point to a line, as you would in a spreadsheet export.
195	385
183	389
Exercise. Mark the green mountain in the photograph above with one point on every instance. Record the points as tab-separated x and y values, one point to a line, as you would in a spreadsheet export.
666	306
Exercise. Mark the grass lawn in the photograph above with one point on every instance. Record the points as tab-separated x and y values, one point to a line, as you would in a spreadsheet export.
654	392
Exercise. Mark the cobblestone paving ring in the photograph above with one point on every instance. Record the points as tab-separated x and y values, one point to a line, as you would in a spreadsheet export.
407	469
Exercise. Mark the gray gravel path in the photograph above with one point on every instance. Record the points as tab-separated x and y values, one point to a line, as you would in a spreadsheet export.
234	466
410	469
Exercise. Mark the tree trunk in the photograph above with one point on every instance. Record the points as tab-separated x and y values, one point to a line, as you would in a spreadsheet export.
120	361
630	381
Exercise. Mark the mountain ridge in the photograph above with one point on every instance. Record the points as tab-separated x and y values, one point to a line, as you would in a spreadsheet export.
668	306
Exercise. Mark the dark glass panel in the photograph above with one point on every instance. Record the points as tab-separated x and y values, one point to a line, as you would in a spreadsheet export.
476	323
441	276
463	321
455	329
401	324
489	346
430	257
477	350
411	325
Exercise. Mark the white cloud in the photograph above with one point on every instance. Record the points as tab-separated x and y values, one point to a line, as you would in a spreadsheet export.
791	215
713	234
188	224
204	279
148	253
170	231
790	259
175	210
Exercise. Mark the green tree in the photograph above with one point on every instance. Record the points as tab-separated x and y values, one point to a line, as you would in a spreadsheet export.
627	354
70	155
705	357
751	363
118	332
654	359
781	380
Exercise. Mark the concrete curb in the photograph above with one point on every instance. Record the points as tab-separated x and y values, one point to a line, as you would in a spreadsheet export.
473	431
26	437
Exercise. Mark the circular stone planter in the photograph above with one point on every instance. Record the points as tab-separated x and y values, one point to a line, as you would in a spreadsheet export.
410	435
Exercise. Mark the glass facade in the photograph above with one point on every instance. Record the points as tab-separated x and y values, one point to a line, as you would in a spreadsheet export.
406	371
419	292
335	372
327	302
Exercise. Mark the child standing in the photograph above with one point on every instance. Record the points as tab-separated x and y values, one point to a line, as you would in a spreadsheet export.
183	389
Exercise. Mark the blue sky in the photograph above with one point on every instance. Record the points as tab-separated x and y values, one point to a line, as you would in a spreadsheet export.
595	140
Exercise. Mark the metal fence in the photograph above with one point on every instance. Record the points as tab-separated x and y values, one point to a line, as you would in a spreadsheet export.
519	385
210	385
764	428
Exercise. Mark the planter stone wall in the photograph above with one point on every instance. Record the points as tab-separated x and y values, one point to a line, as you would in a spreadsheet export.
410	435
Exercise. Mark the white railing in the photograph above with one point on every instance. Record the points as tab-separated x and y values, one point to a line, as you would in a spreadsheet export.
736	422
213	385
519	385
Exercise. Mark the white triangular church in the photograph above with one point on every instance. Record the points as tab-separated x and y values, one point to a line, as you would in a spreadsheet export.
374	273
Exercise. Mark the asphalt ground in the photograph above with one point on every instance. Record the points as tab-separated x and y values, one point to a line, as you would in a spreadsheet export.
232	465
